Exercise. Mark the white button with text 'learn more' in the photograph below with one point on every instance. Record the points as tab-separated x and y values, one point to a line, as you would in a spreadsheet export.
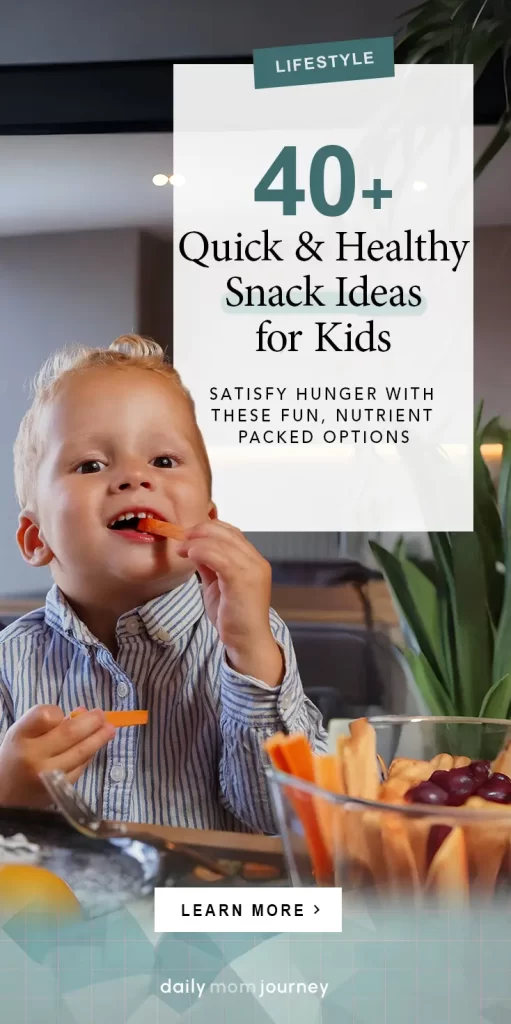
252	910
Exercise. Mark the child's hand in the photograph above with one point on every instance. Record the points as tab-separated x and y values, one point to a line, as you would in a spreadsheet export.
237	590
43	739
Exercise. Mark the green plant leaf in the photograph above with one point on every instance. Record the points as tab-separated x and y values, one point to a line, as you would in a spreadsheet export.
474	642
497	702
478	416
448	645
441	548
499	139
502	656
425	597
399	547
461	32
505	473
492	556
428	684
491	431
415	597
488	527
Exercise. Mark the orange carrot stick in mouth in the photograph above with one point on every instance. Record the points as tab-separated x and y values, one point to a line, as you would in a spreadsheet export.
160	528
120	718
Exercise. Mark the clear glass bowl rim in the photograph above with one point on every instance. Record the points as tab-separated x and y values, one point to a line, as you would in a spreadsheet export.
460	815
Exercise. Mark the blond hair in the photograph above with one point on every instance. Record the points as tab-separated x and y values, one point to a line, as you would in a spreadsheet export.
127	351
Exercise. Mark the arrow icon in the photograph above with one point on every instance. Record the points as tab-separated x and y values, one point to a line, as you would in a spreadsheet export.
316	909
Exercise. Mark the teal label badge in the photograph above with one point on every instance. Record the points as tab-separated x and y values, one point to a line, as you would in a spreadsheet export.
324	62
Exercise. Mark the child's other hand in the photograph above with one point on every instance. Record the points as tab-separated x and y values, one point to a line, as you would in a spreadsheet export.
237	591
43	739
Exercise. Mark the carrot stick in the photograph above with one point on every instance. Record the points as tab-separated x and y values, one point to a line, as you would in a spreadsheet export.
292	755
160	528
120	718
326	776
273	747
298	755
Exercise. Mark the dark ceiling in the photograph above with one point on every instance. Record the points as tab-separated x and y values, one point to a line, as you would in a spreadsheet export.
134	96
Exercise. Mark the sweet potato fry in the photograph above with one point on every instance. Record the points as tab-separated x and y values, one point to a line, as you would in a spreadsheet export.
326	773
393	791
359	777
401	869
160	528
418	832
398	764
409	766
502	762
460	762
441	763
448	872
411	774
372	849
486	844
361	773
414	846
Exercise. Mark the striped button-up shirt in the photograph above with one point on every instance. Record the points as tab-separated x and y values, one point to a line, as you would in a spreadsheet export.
199	762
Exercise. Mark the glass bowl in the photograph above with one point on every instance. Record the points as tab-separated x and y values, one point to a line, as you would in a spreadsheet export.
397	850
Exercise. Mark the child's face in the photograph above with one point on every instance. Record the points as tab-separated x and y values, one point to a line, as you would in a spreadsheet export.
115	441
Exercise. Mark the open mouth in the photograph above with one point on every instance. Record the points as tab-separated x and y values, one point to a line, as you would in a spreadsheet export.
130	520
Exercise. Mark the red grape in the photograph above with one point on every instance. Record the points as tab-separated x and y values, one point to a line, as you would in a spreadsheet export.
440	778
459	777
436	836
504	779
426	793
498	791
480	770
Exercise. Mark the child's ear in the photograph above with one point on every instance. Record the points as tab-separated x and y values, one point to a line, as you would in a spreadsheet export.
212	511
31	542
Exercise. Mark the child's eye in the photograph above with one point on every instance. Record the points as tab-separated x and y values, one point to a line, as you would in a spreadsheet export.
164	462
93	466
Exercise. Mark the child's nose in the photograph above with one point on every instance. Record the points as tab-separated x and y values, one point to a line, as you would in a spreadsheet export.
131	484
130	479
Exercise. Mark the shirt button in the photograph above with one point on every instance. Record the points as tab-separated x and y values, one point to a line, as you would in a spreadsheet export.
122	690
163	635
132	625
117	773
285	702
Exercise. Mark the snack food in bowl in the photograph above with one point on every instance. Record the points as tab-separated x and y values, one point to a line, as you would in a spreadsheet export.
434	826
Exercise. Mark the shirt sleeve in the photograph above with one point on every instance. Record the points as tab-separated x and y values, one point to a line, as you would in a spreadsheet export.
251	712
6	709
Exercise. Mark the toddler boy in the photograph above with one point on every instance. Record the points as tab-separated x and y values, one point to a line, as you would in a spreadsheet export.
133	621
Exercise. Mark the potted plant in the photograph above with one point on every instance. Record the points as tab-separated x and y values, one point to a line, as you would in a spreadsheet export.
459	611
474	32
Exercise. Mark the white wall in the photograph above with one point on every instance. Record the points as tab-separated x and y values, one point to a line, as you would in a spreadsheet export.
56	31
54	290
493	321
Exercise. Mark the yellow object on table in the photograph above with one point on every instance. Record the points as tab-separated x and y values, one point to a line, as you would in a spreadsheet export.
33	888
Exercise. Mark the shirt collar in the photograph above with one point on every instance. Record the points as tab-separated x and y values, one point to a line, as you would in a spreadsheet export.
165	618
